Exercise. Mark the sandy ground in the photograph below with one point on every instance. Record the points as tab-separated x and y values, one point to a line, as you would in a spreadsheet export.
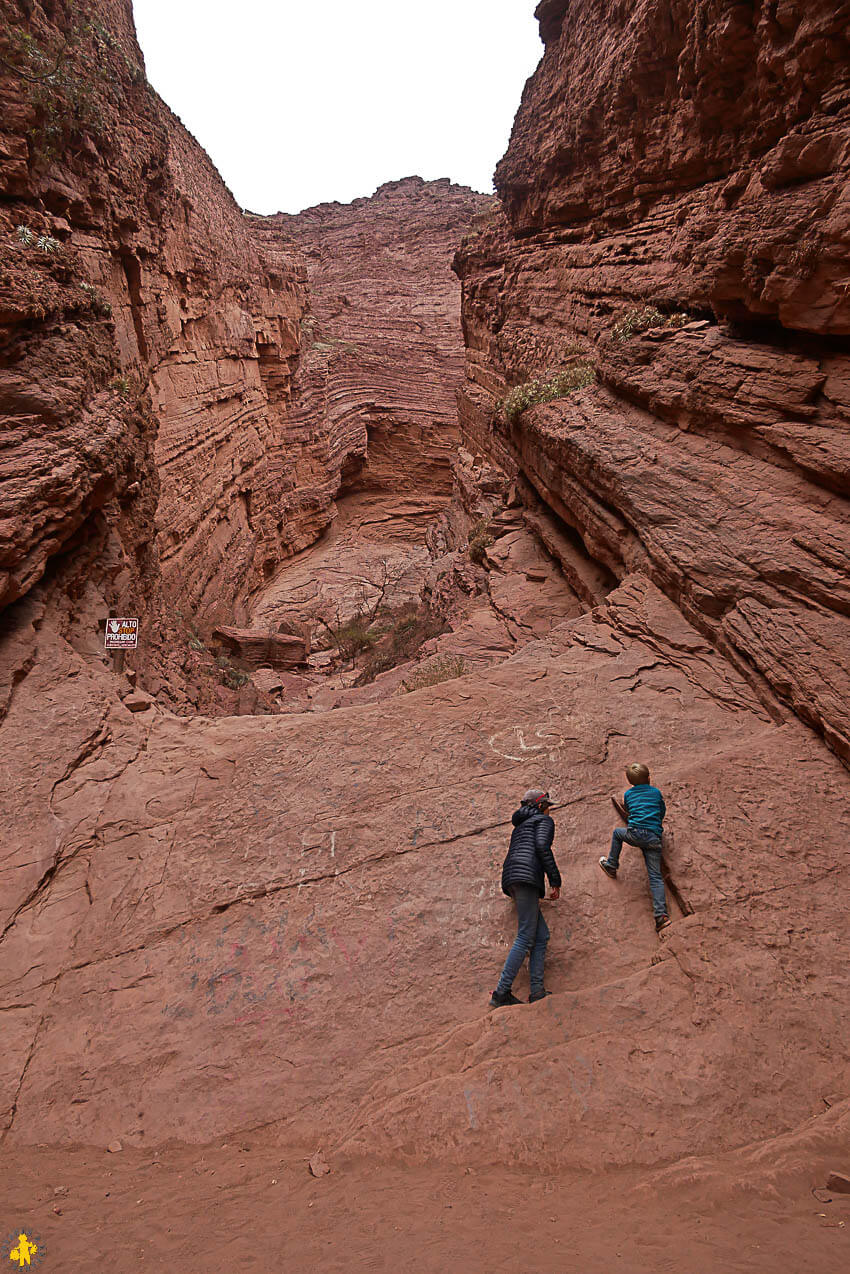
239	1206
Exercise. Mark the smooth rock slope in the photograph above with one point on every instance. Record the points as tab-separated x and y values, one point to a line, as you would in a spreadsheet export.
202	955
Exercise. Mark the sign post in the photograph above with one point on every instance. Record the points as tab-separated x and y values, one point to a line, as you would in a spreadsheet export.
121	635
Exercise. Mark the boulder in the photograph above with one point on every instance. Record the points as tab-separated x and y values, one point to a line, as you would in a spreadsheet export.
258	647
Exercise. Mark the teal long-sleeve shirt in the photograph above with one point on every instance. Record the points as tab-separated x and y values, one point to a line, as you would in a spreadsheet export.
645	807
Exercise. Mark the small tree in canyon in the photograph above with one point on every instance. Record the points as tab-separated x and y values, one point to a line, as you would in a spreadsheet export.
375	588
355	634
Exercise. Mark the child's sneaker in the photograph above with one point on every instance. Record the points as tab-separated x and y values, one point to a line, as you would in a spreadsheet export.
661	922
607	868
498	1001
538	995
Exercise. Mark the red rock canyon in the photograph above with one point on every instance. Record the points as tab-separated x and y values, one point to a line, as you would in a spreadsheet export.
421	501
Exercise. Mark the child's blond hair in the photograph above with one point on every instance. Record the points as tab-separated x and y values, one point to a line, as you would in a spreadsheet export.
637	773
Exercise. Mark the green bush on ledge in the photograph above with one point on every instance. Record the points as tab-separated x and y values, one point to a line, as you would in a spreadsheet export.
545	389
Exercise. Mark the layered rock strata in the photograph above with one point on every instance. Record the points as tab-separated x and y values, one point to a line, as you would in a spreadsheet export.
681	226
382	350
158	457
147	344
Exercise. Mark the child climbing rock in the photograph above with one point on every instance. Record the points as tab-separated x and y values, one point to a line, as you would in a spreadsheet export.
645	810
529	859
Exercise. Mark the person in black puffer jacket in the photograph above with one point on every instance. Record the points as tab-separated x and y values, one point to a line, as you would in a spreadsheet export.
529	860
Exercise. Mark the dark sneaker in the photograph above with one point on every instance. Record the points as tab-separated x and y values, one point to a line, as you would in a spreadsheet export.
607	868
537	995
498	1001
661	922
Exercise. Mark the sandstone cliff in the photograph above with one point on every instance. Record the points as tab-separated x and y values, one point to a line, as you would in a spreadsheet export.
383	356
185	402
677	225
149	314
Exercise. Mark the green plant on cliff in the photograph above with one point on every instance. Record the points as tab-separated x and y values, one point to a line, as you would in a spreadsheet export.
637	321
544	389
67	86
330	343
65	102
234	678
482	221
121	385
98	303
66	107
104	39
190	633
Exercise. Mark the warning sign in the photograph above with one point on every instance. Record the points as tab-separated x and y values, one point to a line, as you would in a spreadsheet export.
122	634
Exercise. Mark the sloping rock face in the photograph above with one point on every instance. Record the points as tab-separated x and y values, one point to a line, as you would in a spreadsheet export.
680	222
382	348
297	920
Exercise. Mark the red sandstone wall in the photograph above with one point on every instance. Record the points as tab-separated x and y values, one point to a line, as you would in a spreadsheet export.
188	947
382	353
147	361
693	157
229	473
718	128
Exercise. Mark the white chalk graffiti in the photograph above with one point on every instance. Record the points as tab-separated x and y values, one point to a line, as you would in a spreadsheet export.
517	744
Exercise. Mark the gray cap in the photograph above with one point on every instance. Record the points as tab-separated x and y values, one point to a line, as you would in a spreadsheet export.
536	796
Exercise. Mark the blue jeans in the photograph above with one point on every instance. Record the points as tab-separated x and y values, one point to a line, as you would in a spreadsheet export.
650	844
532	934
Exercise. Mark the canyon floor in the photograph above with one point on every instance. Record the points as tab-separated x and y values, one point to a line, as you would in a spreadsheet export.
243	1204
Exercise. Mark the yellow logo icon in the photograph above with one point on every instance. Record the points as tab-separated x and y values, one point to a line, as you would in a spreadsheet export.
23	1251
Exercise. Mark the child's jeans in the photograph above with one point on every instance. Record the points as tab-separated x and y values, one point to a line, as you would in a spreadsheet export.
650	845
532	935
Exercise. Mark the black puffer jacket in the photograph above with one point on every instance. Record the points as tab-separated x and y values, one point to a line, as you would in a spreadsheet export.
530	854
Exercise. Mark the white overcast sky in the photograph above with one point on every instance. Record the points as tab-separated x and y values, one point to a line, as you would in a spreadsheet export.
303	101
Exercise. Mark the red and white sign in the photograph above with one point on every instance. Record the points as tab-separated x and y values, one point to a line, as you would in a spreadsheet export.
122	634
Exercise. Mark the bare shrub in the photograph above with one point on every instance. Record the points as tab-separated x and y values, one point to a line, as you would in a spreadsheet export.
480	540
351	636
232	676
435	671
408	632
